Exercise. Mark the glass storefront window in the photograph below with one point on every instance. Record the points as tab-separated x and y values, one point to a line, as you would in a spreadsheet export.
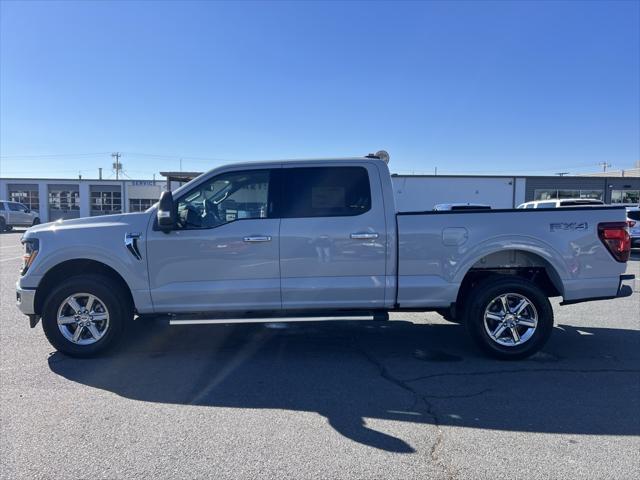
545	194
625	196
29	197
140	204
105	202
557	194
64	200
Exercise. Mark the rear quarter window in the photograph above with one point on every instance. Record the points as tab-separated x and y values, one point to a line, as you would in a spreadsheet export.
634	215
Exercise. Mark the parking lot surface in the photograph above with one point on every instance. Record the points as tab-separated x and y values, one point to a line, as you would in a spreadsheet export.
410	398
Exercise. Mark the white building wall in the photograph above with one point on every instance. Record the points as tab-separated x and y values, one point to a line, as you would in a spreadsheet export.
43	202
415	193
520	191
85	208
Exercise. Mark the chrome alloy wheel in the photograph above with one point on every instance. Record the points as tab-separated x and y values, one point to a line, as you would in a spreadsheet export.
83	318
510	319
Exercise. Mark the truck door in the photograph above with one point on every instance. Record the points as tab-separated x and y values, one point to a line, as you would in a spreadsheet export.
223	254
333	237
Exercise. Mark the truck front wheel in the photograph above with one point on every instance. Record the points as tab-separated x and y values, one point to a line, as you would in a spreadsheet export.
509	317
85	315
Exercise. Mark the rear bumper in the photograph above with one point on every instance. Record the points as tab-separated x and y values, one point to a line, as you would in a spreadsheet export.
623	291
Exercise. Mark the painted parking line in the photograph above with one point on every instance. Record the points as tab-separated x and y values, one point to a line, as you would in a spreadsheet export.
7	259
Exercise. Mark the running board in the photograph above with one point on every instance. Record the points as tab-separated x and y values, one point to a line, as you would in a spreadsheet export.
200	320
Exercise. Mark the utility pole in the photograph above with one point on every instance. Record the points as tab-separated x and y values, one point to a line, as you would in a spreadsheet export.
604	166
181	164
116	164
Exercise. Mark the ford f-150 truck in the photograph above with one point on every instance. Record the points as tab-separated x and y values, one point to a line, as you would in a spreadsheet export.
316	239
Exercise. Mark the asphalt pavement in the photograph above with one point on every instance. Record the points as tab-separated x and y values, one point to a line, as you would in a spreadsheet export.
409	398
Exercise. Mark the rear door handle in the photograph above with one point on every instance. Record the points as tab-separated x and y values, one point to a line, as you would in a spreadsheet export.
257	238
364	236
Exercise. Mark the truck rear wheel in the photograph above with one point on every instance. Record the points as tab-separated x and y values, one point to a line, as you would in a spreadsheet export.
85	315
509	317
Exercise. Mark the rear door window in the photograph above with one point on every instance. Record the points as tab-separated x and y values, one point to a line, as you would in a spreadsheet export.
324	192
547	205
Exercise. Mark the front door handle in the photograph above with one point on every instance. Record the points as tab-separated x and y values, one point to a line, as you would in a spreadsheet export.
364	236
257	238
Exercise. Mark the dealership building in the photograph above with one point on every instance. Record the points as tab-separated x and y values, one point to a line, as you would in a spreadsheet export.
74	198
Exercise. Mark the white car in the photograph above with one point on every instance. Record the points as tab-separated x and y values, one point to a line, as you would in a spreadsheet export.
633	219
460	206
14	214
568	202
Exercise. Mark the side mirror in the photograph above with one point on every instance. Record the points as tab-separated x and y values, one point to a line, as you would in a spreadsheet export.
166	213
27	210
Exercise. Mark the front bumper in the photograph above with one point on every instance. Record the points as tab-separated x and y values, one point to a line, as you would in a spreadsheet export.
25	300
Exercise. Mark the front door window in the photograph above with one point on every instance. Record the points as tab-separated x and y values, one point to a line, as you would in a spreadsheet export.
226	198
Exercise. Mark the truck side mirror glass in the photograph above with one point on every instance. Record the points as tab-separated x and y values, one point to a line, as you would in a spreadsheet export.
166	213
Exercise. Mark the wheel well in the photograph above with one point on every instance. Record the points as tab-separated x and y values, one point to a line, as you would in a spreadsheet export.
512	262
72	268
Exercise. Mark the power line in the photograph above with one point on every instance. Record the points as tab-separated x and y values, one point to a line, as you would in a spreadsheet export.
48	155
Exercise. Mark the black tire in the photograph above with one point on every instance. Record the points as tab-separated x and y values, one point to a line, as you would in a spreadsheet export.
482	297
36	221
3	224
115	301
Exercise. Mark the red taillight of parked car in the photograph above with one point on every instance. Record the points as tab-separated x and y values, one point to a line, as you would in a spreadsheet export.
615	236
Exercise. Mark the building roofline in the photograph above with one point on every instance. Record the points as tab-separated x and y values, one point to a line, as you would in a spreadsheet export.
113	180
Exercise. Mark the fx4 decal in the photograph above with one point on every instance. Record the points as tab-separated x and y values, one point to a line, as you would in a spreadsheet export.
555	227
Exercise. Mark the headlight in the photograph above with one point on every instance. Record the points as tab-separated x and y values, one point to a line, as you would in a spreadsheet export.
31	247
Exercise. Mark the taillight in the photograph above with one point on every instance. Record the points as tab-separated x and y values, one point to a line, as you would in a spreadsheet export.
615	236
631	223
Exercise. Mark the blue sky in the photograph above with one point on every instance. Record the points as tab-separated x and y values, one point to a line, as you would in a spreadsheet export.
477	87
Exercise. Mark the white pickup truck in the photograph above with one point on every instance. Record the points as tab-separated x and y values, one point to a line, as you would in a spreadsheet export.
14	214
316	240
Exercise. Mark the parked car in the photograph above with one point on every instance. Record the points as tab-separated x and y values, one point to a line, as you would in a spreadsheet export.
14	214
460	206
316	240
569	202
633	219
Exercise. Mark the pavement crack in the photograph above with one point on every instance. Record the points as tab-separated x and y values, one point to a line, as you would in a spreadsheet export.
429	410
520	370
467	395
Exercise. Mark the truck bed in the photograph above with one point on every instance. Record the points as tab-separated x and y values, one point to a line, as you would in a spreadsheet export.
437	249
